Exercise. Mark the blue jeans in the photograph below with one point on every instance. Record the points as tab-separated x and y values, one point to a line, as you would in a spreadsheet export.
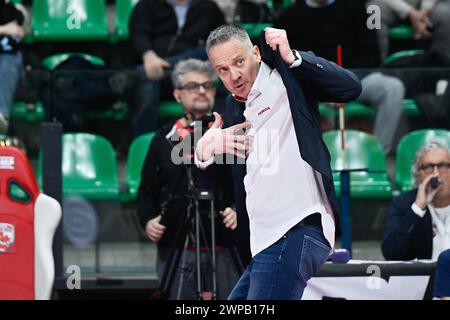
281	271
442	278
10	67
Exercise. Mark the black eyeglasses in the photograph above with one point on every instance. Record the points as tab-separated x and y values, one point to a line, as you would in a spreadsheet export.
429	167
195	86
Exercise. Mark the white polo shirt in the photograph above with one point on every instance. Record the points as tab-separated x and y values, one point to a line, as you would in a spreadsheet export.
441	226
282	189
440	219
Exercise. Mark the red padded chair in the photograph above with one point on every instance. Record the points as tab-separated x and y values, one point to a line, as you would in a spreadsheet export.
28	220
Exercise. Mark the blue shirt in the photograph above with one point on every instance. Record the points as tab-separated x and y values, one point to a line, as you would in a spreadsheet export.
180	11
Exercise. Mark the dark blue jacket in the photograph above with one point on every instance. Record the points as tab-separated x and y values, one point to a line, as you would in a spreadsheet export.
407	236
316	79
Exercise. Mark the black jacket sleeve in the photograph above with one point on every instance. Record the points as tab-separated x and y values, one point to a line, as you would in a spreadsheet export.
9	13
148	198
402	230
326	80
141	33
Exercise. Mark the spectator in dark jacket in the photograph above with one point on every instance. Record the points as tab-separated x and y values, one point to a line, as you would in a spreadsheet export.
163	32
419	220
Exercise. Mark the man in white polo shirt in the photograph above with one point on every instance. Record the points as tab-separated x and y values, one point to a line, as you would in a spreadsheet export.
283	181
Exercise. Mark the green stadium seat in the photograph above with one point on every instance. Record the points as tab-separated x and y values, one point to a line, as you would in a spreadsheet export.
363	151
89	167
352	109
356	109
401	32
27	112
284	4
402	54
69	20
119	112
136	157
410	107
170	110
123	13
254	29
55	60
406	151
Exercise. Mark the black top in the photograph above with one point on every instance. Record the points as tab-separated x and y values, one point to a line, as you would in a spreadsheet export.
407	235
164	190
8	13
321	30
153	26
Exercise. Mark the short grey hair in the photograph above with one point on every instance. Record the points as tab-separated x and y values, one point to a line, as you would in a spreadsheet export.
191	65
429	146
225	33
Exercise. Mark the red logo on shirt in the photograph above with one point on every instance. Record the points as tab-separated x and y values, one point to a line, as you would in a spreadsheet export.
263	110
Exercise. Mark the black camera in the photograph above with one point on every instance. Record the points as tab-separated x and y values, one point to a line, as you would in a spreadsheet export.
206	122
435	182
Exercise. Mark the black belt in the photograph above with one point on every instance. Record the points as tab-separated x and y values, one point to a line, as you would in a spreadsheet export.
314	219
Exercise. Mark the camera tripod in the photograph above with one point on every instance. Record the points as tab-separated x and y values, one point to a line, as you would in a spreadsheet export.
184	233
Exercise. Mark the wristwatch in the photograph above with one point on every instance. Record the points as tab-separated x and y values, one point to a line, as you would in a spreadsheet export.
295	53
297	59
